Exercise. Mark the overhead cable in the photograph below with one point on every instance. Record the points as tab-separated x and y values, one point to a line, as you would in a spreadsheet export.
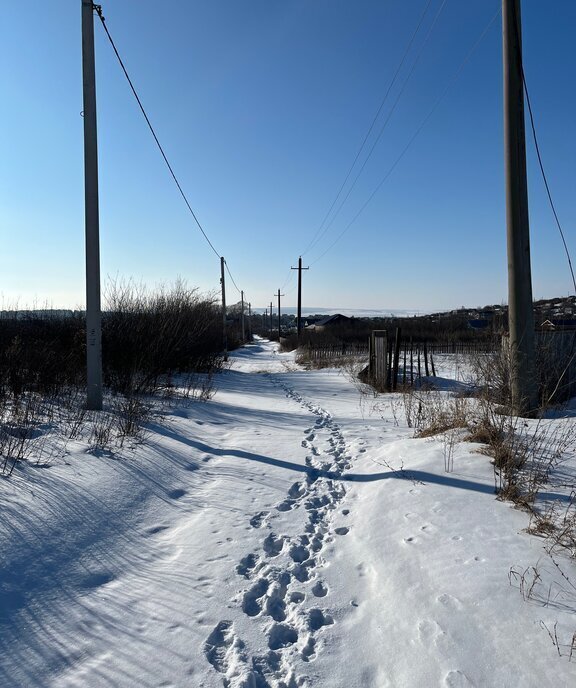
230	275
98	9
393	108
316	236
455	77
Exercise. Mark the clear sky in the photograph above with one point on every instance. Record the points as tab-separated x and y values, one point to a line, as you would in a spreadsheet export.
262	106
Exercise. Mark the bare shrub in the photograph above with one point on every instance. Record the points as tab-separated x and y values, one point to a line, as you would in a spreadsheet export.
198	385
449	441
526	580
490	375
102	426
130	414
26	425
431	413
40	353
555	366
164	342
150	337
19	427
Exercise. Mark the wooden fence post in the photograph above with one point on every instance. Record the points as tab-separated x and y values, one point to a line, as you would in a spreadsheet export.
396	359
380	357
389	359
411	362
404	369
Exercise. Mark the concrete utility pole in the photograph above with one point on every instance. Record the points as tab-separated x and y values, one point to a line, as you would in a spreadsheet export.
92	226
299	317
224	331
242	314
520	308
279	329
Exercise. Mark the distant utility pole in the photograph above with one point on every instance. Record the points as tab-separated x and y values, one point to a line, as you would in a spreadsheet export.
224	332
249	321
92	225
242	314
279	328
299	268
270	319
520	308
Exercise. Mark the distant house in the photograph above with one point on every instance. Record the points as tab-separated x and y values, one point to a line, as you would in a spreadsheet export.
329	322
554	325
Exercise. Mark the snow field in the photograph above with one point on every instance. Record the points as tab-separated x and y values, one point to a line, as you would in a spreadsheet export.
288	533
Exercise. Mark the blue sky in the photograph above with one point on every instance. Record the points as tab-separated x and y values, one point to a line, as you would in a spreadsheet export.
261	107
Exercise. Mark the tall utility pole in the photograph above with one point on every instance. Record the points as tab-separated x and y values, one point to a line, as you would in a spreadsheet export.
520	309
242	314
279	328
249	321
92	226
224	332
299	317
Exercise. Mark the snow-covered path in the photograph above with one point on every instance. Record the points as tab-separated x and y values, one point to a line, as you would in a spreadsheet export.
286	533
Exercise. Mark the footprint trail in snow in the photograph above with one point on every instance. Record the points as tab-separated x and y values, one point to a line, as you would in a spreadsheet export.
284	593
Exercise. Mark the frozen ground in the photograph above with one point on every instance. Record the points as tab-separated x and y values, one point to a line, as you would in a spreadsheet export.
289	532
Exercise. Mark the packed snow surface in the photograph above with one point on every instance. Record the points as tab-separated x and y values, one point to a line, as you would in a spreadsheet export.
289	532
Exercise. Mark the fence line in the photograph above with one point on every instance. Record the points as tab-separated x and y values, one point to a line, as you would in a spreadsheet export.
384	354
329	351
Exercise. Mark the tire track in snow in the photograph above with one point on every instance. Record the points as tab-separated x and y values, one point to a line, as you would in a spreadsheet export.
284	587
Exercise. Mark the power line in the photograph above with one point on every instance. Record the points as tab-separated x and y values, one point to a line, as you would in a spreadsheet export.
233	281
541	165
374	144
413	138
288	279
316	238
98	9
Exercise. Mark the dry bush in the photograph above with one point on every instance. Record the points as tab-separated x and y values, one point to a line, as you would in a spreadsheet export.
28	432
528	453
449	441
490	376
130	414
431	413
555	366
167	342
101	426
19	426
147	338
524	453
42	354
